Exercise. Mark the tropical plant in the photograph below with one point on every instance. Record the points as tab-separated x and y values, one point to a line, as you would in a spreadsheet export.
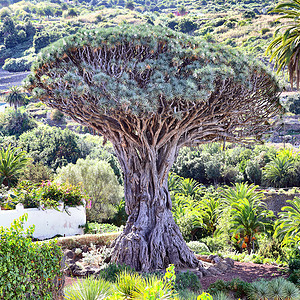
89	288
150	91
248	220
241	191
15	97
277	171
249	216
285	47
288	224
12	163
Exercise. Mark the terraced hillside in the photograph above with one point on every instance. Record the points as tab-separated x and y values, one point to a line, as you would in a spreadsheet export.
8	79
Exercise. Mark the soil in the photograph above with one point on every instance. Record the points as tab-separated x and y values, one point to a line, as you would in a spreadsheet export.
245	271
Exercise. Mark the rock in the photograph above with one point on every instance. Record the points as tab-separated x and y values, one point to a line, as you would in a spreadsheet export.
69	254
198	273
205	271
222	265
214	271
214	258
229	261
203	258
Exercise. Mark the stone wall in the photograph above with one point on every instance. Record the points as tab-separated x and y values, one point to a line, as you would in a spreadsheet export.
276	201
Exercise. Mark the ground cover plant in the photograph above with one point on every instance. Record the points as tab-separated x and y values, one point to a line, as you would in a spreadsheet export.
167	125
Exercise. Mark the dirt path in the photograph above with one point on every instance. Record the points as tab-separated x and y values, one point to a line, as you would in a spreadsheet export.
247	272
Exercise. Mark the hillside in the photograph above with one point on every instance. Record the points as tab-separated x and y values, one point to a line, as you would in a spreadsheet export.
27	26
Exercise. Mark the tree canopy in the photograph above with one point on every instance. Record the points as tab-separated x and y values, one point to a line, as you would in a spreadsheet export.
138	70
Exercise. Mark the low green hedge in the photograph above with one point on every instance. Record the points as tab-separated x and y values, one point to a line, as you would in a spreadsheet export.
28	270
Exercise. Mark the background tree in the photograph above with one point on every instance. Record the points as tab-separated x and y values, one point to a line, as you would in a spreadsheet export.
151	91
99	183
15	97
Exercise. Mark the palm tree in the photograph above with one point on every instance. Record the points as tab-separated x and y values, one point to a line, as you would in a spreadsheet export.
277	171
249	215
15	97
12	162
285	47
288	224
248	219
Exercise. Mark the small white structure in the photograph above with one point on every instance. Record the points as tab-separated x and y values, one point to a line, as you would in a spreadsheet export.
49	222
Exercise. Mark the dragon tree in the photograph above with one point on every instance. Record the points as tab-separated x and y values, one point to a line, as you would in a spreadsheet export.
150	91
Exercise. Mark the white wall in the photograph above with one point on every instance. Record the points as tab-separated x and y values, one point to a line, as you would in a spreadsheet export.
49	222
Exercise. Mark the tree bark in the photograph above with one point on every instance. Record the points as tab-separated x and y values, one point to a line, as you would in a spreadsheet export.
151	240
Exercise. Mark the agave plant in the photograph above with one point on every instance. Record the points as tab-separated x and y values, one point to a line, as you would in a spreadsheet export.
89	289
128	284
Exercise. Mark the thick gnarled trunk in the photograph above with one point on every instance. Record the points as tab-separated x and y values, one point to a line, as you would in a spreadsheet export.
151	240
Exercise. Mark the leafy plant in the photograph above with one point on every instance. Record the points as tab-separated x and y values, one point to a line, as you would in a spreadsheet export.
89	289
288	224
12	163
188	280
28	269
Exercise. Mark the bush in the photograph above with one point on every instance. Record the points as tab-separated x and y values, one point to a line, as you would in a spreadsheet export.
36	173
188	280
27	269
100	228
198	247
52	146
56	115
15	122
19	64
48	194
111	272
100	184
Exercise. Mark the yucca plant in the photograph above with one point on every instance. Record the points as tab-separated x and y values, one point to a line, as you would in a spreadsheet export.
89	289
12	162
154	288
128	284
16	97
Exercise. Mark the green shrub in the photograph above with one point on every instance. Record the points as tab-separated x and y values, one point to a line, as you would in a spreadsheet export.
27	269
56	115
19	64
89	289
198	247
188	280
111	272
294	264
15	122
100	228
48	194
51	145
100	184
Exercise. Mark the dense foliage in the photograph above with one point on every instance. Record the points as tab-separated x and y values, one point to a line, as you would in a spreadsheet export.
99	182
28	270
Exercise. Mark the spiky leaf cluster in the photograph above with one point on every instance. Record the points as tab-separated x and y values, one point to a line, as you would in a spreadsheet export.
130	67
